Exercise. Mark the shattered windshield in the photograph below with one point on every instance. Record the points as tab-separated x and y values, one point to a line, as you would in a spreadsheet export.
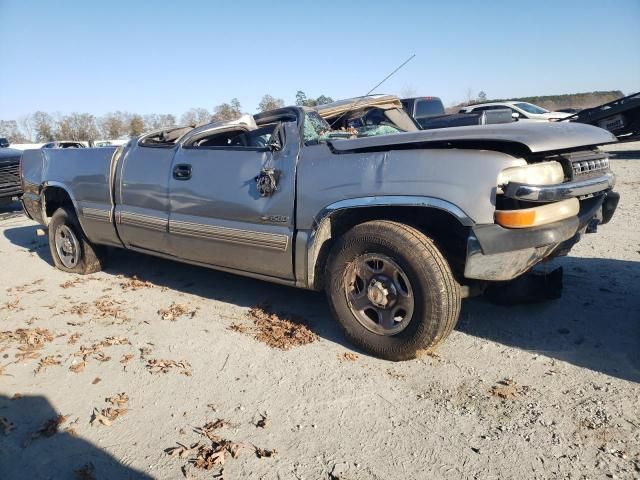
317	130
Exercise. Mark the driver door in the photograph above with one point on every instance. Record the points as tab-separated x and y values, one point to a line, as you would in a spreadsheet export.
217	214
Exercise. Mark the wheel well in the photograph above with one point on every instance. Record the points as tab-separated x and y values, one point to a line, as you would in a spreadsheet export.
54	198
449	235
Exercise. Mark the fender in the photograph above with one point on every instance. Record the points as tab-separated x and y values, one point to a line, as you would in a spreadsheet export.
321	231
62	186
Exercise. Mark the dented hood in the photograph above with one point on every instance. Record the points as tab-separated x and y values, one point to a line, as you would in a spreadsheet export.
534	136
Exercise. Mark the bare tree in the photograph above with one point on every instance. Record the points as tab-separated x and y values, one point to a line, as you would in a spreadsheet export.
44	126
227	111
27	127
136	126
78	127
9	130
270	103
195	116
167	120
114	125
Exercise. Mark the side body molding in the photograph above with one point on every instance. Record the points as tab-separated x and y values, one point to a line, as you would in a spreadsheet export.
321	231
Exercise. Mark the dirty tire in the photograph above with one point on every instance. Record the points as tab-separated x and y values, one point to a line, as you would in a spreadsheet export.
436	293
91	257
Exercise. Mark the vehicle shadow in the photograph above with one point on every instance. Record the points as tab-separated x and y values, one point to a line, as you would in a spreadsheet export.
595	324
204	282
625	154
10	210
26	454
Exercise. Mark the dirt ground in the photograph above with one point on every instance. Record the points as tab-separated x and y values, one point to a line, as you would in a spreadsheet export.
183	371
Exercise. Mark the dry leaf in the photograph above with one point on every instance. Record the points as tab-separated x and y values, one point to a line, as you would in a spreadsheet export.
50	427
96	380
281	331
74	338
507	389
110	341
263	452
78	367
182	451
263	422
97	417
134	283
239	327
349	356
175	310
48	361
86	472
119	400
75	281
101	357
6	425
208	429
79	309
144	351
163	366
28	355
126	358
107	307
209	457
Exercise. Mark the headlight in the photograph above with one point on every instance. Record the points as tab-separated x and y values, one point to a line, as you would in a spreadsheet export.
544	173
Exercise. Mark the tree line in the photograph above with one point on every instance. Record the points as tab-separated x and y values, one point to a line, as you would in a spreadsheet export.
45	127
550	102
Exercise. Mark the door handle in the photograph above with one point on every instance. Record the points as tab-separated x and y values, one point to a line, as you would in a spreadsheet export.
182	171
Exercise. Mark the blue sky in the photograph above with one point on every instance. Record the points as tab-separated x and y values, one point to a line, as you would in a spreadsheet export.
166	57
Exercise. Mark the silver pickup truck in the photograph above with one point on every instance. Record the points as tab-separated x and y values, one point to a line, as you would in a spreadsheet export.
394	226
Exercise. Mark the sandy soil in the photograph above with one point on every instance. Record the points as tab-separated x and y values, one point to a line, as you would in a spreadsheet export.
108	373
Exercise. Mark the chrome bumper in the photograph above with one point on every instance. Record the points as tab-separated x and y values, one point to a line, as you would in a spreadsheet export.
562	191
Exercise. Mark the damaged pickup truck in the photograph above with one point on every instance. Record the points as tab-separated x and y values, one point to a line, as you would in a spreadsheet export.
393	227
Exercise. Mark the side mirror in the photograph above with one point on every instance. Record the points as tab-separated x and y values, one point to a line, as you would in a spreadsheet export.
274	145
515	115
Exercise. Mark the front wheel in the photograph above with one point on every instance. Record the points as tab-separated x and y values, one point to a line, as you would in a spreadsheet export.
391	290
71	250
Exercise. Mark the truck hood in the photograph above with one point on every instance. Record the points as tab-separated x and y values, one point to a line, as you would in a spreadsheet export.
10	155
534	137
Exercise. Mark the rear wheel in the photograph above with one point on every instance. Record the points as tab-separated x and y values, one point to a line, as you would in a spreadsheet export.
71	250
391	290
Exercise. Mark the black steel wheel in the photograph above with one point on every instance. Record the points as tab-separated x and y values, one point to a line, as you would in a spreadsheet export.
391	289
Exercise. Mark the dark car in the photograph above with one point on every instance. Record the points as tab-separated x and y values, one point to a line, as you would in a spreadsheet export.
423	109
4	142
428	112
10	185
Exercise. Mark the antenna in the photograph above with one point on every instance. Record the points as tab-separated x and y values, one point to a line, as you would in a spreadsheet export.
373	89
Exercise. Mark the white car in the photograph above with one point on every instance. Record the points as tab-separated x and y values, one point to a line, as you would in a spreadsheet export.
519	111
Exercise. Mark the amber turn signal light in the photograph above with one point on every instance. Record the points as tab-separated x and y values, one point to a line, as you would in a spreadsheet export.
516	218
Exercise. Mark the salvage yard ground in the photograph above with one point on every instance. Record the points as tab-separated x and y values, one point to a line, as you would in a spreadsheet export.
154	369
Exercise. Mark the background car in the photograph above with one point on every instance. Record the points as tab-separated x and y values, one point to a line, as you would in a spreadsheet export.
519	111
64	145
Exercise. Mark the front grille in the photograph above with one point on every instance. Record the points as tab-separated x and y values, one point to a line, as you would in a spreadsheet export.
583	167
581	164
10	179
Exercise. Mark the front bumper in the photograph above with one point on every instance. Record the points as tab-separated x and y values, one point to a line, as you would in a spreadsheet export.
496	253
563	191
